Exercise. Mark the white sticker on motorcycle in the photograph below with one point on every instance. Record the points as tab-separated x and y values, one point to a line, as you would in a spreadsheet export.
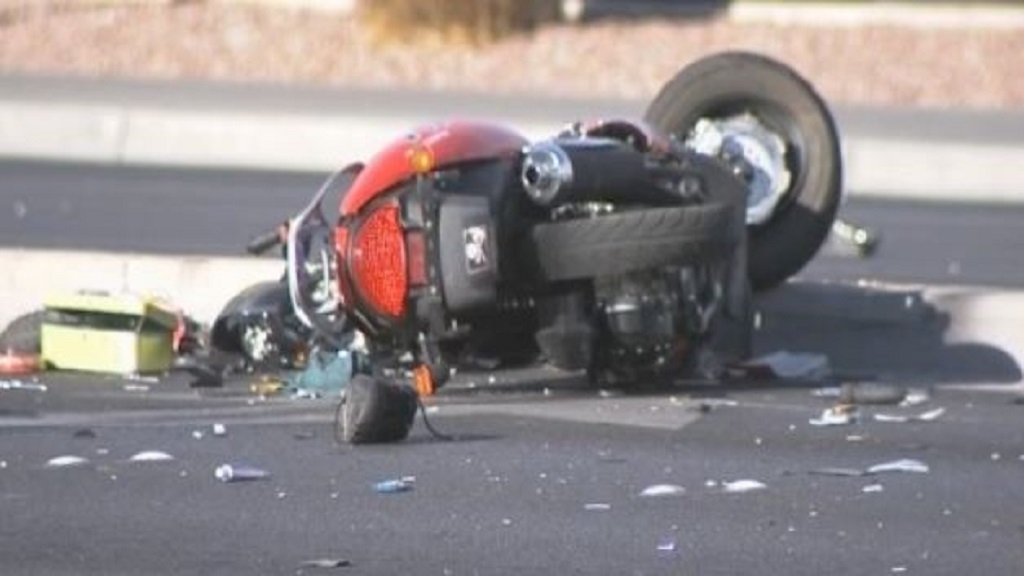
477	244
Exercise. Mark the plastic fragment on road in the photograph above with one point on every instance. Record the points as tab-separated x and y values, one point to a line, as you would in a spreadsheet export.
326	563
835	471
872	488
904	465
667	545
915	398
741	486
151	456
597	507
22	385
662	490
65	461
842	415
788	366
219	429
394	486
928	416
239	473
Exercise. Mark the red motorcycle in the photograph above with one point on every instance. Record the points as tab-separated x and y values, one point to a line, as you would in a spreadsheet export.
626	249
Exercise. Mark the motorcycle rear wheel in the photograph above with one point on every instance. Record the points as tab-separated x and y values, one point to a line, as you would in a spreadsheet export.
633	240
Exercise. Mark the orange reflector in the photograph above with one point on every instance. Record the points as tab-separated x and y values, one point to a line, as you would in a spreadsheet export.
423	381
421	159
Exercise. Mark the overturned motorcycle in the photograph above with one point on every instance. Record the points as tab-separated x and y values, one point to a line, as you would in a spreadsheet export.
629	250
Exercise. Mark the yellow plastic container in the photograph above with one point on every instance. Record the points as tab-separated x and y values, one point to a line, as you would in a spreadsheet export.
99	332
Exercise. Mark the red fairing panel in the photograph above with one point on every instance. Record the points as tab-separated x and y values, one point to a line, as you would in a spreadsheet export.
448	143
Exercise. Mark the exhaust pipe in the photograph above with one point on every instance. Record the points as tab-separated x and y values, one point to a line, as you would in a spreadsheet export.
567	171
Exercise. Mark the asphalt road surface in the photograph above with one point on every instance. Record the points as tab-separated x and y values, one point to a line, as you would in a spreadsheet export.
534	483
542	477
176	211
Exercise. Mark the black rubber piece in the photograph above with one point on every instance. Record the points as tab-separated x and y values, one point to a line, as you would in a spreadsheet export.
633	240
23	334
262	243
731	83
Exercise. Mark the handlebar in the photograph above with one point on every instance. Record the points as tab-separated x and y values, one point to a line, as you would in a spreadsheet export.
263	242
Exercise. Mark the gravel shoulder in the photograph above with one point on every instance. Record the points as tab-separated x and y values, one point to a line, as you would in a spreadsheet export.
870	65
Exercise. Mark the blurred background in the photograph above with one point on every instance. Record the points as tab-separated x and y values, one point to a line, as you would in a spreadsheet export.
910	53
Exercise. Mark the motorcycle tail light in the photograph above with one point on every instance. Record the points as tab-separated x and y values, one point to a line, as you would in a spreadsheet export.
378	262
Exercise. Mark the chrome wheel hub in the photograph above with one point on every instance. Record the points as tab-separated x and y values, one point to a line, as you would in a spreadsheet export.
756	154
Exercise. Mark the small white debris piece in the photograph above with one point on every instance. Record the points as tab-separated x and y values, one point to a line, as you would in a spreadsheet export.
198	434
872	488
903	419
667	546
931	414
898	569
63	461
915	398
219	429
904	465
326	563
790	365
661	490
827	392
739	486
597	507
836	416
151	456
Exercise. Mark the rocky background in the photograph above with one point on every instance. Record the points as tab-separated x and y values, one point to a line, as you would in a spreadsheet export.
890	64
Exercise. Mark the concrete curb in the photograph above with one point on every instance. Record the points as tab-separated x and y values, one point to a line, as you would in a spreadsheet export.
125	132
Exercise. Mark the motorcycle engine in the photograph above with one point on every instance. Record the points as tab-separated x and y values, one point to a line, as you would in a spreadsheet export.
650	317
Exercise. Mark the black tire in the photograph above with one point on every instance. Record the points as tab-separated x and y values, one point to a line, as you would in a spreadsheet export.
23	335
633	240
729	83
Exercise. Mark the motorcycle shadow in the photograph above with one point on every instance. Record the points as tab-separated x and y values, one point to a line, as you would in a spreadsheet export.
916	335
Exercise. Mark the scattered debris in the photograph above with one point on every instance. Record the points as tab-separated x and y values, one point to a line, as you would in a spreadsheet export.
14	363
235	473
395	486
903	419
136	388
660	490
136	377
151	456
830	471
64	461
326	563
667	545
867	393
597	507
219	429
905	465
915	398
787	366
267	386
872	488
21	385
841	415
740	486
198	434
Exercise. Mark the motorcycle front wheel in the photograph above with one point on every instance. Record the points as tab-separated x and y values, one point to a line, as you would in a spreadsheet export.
767	122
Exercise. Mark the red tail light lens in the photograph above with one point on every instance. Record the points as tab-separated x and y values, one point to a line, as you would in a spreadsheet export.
378	263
